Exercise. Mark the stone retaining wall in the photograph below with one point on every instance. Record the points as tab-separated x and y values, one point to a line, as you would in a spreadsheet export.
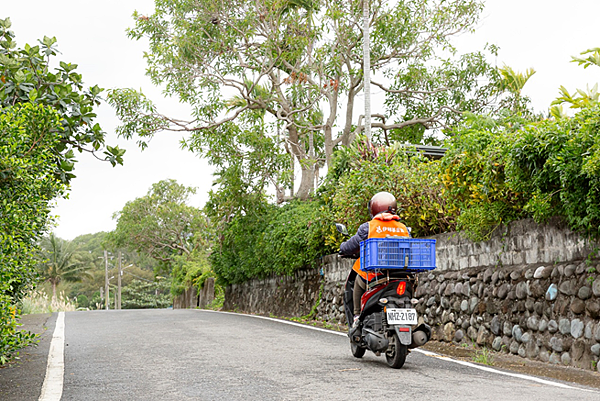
545	312
520	243
191	298
288	296
528	290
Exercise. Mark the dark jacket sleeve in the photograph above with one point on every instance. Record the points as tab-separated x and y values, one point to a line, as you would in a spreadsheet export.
352	246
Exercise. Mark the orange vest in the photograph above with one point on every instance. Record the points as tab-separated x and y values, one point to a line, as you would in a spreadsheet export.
382	225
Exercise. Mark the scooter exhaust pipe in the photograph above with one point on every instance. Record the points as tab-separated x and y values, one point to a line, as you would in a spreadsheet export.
420	336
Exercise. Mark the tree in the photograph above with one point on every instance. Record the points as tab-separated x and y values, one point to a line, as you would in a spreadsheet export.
28	133
299	65
26	77
58	262
45	116
512	82
161	224
146	295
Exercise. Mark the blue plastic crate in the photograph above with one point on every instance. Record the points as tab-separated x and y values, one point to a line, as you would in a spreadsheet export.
397	253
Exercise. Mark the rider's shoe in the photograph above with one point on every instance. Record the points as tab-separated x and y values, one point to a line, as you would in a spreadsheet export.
352	330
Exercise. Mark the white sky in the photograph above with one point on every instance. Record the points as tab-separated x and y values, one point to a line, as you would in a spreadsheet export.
531	34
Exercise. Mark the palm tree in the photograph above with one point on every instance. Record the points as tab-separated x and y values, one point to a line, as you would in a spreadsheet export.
514	81
58	262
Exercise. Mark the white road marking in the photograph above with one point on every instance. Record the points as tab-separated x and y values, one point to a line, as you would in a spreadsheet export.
424	352
53	383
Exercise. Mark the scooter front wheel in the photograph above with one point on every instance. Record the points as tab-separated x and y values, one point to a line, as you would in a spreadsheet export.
396	353
357	352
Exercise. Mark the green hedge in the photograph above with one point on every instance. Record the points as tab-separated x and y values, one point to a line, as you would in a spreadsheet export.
279	240
499	171
410	177
28	183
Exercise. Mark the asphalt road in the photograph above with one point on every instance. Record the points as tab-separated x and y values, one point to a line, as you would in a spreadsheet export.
203	355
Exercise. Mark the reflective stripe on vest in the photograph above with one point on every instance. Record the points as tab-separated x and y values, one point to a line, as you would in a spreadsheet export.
381	229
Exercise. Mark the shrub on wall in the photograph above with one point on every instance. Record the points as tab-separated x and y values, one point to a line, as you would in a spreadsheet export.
475	173
498	171
558	164
494	172
410	177
280	240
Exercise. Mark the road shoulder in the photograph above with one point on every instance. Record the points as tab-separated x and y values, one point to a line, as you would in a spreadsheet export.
514	363
497	360
22	379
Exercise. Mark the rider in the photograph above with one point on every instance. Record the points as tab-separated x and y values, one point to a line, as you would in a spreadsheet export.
385	222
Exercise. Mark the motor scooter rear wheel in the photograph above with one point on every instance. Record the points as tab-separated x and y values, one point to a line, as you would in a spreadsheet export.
357	351
396	353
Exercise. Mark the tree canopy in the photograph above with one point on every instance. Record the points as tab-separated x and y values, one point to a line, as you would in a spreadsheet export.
161	224
278	80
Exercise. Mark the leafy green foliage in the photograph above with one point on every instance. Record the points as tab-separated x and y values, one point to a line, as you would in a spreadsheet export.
27	184
161	224
146	295
279	240
558	164
593	58
473	172
26	77
498	171
188	271
580	98
11	338
83	301
58	261
249	161
413	179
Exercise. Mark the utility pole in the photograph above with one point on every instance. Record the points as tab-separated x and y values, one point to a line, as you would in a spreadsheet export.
367	70
106	298
118	305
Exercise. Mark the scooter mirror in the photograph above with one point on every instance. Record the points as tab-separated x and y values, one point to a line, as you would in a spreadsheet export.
341	229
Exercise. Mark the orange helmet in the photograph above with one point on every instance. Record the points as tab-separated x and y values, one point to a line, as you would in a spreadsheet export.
382	202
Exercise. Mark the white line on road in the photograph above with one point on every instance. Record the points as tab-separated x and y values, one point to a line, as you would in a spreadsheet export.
53	383
427	353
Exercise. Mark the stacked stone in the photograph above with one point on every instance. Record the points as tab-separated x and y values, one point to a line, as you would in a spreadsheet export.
331	307
277	295
547	313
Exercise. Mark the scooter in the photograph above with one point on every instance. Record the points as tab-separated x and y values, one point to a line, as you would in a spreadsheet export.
388	322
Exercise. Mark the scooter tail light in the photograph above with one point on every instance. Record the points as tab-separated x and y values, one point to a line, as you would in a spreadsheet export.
401	289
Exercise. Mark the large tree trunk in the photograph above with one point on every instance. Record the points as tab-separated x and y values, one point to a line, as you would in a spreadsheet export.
307	169
307	181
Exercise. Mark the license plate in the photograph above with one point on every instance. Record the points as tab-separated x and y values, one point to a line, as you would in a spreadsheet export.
401	316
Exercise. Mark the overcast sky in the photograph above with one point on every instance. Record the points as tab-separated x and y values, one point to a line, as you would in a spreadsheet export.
530	34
